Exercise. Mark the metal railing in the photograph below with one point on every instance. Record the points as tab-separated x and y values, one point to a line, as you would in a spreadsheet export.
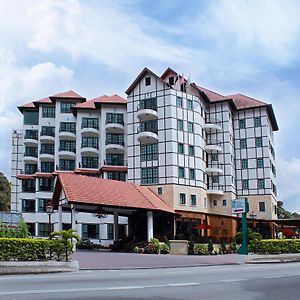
213	142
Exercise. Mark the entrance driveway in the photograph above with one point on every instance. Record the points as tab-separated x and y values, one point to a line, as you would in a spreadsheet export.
97	260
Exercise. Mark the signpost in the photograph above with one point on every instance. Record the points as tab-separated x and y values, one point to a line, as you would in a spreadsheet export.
242	206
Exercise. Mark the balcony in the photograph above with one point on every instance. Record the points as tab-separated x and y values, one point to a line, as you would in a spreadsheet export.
147	133
89	151
212	124
90	131
31	140
67	135
47	156
213	146
214	167
67	153
215	189
114	146
30	157
112	126
115	162
147	112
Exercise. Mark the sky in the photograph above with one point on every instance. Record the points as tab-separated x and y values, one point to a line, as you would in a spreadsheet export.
97	47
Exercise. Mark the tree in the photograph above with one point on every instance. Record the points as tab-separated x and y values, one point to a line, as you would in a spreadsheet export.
66	236
285	214
4	193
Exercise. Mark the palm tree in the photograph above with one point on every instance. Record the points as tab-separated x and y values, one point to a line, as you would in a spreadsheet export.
66	236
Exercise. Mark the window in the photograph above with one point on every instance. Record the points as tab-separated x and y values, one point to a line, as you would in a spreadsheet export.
258	142
90	162
115	138
31	228
245	184
31	117
260	162
110	231
31	151
179	101
48	131
43	229
120	176
180	148
148	81
215	179
242	123
190	127
261	183
182	199
224	202
159	191
114	118
189	104
181	172
47	149
42	204
114	159
90	231
171	80
45	185
31	134
149	152
215	202
30	168
67	146
262	206
214	157
67	164
91	142
90	123
28	186
149	175
68	127
48	112
47	167
149	103
192	174
150	126
191	150
244	164
28	205
243	143
180	125
257	121
193	200
65	107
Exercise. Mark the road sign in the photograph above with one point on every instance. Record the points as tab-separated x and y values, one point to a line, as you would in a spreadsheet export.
239	206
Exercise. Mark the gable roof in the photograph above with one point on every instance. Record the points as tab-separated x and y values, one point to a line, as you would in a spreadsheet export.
29	105
68	94
89	190
241	101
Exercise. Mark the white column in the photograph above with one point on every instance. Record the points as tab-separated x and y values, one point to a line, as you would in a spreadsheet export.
59	217
116	226
73	216
149	225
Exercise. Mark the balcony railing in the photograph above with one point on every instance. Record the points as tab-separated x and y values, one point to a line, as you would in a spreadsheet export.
147	128
67	149
212	121
215	186
115	162
147	106
31	136
89	146
110	121
31	154
214	164
213	142
114	142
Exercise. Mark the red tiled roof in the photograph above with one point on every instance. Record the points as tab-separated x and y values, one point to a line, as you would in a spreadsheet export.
44	175
114	169
92	190
242	101
25	176
43	100
212	96
90	104
69	94
86	171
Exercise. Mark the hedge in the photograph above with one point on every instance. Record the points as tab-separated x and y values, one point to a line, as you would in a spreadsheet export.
275	246
24	249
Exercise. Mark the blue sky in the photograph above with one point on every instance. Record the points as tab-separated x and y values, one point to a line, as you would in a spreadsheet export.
98	47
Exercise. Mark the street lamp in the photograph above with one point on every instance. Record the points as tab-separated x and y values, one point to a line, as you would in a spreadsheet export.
50	211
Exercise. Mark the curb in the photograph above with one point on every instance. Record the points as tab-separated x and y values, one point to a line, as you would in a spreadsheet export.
37	267
269	259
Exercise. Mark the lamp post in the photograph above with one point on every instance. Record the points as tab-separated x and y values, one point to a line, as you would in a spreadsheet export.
50	211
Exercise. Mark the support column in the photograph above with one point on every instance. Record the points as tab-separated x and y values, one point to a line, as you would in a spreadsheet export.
116	226
73	216
149	225
59	217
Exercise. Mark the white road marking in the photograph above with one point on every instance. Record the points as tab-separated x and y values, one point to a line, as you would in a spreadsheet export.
232	280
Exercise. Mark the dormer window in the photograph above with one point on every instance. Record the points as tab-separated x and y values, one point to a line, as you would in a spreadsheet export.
148	81
171	80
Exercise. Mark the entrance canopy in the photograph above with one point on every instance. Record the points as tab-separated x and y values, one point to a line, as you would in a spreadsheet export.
81	190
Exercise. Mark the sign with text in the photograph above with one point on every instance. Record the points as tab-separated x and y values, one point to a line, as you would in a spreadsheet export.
238	206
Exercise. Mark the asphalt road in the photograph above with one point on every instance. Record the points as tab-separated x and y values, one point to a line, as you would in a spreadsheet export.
269	281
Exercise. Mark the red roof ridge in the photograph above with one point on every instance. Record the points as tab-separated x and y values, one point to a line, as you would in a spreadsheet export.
67	94
139	188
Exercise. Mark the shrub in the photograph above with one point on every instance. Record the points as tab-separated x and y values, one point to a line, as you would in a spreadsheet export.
153	246
19	231
275	246
222	248
201	249
191	247
164	249
252	235
232	247
210	246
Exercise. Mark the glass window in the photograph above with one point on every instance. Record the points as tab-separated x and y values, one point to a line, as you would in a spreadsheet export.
192	174
67	146
48	131
114	159
115	138
42	204
189	104
215	202
159	191
243	143
114	118
181	172
31	117
180	148
224	202
215	157
90	231
261	183
242	123
91	142
257	121
191	150
47	167
31	134
245	184
116	176
110	231
193	200
149	175
43	229
180	125
45	184
149	103
48	112
182	199
31	151
215	179
244	164
67	164
65	107
90	162
90	123
260	162
190	127
47	149
149	152
30	168
148	81
28	205
262	206
68	127
150	126
258	142
179	101
28	186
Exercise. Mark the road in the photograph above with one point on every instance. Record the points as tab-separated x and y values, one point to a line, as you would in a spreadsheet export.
269	281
